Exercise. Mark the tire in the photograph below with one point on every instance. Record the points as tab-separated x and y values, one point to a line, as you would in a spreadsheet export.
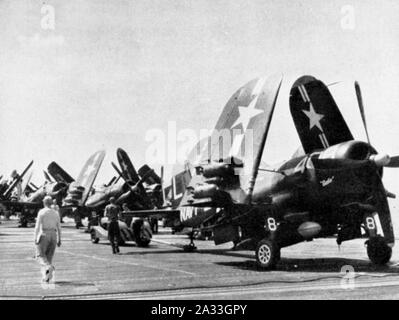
93	236
142	243
144	238
378	251
267	254
189	248
142	233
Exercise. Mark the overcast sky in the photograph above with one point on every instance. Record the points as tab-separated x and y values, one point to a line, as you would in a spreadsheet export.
111	70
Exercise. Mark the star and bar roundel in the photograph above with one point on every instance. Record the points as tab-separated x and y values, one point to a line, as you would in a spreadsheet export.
316	116
248	112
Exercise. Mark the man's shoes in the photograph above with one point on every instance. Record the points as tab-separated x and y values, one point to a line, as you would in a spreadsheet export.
51	273
46	274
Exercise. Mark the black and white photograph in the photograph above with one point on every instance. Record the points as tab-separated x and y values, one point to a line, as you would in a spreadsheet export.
199	153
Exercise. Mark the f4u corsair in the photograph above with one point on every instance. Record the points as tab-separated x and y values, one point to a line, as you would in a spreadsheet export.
333	187
64	188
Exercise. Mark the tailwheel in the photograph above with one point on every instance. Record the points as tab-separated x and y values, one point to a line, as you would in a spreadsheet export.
93	237
267	254
191	246
378	250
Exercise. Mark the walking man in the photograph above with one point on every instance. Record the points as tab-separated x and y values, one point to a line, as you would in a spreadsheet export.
112	212
47	236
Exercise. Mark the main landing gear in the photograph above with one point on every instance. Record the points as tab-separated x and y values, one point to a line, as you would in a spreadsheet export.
378	250
191	246
267	254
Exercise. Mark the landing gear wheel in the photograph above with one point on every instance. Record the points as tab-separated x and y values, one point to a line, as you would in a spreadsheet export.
189	248
142	233
267	254
144	238
93	237
378	251
23	223
143	243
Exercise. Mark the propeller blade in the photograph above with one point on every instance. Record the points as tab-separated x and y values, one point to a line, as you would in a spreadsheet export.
117	179
390	194
361	108
111	181
31	184
333	83
117	170
393	163
47	176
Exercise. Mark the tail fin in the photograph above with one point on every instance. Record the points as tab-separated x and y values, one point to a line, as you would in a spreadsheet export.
79	190
239	137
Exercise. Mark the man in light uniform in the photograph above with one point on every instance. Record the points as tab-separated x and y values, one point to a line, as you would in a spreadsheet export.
47	236
112	212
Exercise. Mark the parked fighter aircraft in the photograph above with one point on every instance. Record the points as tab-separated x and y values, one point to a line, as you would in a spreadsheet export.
140	190
79	190
7	187
182	215
12	192
135	190
57	188
334	188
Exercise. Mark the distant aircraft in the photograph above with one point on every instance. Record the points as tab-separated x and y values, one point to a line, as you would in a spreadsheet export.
133	190
56	187
78	191
333	188
8	187
13	190
136	190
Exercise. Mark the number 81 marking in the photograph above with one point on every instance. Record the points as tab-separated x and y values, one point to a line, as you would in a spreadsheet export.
271	224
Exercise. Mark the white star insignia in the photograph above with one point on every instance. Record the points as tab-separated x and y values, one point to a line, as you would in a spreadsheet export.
124	166
247	113
314	118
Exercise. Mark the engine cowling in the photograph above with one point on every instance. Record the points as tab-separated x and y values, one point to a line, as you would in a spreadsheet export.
217	170
205	191
353	150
